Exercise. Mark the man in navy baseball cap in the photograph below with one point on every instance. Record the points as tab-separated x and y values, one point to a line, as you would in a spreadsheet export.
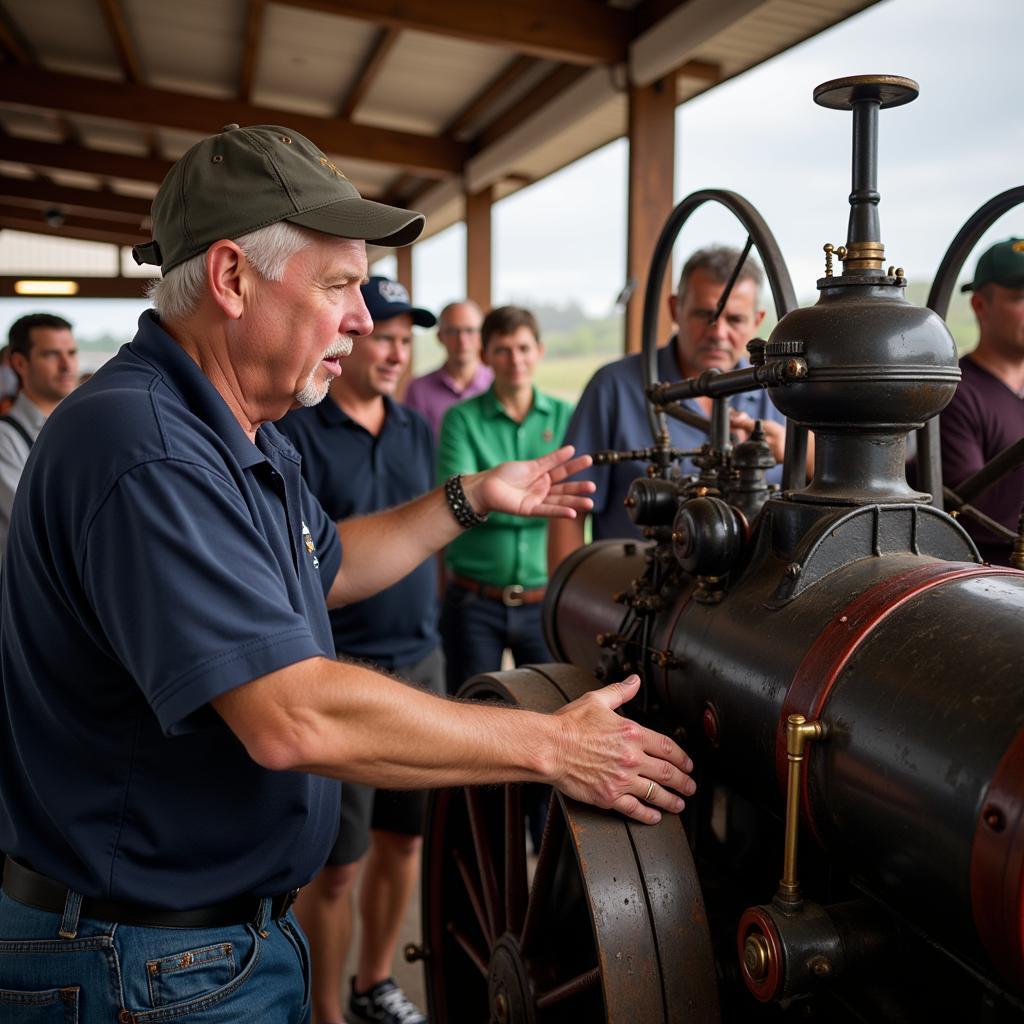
385	299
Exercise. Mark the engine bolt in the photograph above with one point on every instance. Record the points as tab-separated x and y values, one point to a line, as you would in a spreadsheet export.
756	956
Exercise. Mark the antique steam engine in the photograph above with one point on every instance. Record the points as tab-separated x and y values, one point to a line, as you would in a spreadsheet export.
844	671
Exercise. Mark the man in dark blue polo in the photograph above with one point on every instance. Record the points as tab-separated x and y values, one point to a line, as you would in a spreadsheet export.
612	411
363	452
174	720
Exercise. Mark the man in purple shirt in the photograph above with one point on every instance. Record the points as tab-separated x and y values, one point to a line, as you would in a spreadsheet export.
987	412
463	375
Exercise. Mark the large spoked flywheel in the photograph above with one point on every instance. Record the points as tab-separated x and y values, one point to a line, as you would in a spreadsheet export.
607	924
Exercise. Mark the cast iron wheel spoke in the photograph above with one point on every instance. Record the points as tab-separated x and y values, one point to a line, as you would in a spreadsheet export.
474	897
485	860
468	948
544	876
515	859
574	986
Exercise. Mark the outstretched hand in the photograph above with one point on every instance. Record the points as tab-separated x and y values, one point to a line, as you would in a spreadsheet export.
613	762
537	487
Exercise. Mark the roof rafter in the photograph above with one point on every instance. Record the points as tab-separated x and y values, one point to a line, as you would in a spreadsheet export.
113	14
142	105
480	103
92	229
371	68
13	42
66	156
553	85
575	31
253	35
45	194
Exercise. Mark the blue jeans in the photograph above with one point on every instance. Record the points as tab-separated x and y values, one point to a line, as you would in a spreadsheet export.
477	629
113	972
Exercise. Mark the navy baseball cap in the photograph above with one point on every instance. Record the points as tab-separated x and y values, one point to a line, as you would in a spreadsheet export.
385	298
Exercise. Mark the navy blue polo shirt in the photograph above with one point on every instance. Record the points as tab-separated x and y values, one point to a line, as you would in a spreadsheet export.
612	415
157	559
352	473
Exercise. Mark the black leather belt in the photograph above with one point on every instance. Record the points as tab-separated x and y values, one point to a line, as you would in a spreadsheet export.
28	886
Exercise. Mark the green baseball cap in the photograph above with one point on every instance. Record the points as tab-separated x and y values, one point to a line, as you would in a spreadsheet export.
1002	264
246	178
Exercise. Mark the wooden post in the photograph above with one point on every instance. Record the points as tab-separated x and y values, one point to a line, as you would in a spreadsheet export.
403	274
403	271
478	247
652	137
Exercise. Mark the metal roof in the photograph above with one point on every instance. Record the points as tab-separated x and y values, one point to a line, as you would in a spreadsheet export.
416	99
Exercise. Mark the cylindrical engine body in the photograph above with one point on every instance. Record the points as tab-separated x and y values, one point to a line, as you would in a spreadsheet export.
915	665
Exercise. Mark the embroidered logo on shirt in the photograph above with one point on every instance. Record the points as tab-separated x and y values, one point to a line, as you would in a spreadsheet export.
307	539
549	435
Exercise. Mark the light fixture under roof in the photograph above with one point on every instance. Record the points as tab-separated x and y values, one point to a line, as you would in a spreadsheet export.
39	287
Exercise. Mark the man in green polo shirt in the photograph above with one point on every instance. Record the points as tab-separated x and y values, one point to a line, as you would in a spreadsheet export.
497	572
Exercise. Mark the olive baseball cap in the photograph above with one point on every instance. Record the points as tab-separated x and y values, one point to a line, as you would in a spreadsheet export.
246	178
1002	264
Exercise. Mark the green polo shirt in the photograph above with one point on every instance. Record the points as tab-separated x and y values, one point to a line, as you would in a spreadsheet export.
478	434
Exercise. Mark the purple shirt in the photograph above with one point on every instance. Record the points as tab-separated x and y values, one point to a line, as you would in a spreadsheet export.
434	393
984	417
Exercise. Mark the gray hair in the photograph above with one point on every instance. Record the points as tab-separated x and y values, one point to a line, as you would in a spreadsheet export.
268	249
718	262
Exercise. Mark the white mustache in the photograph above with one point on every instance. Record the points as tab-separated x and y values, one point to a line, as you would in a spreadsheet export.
341	348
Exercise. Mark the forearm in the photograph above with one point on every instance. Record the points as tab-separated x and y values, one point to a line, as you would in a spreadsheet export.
348	722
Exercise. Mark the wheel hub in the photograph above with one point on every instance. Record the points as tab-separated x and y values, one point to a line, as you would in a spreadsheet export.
508	984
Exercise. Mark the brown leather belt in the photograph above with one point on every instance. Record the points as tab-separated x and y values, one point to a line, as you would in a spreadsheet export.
511	596
28	886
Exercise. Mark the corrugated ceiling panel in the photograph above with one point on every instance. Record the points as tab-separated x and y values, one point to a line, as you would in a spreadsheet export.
308	61
427	80
25	124
190	45
67	35
115	136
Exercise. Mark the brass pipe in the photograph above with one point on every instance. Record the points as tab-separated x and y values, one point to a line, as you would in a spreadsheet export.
799	732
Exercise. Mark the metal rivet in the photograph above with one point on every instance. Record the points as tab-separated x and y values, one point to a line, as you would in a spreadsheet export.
218	159
287	141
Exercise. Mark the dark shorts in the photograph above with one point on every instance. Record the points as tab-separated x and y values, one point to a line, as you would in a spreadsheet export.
390	810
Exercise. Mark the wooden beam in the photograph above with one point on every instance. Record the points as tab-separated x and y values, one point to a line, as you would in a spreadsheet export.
253	35
705	70
13	42
651	180
575	31
480	104
88	287
478	247
66	156
90	229
36	88
539	96
403	264
44	195
117	25
372	67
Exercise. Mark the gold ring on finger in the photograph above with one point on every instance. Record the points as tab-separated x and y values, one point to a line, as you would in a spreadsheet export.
650	790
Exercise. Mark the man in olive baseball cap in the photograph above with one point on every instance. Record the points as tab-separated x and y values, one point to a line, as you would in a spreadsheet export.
1003	264
986	415
246	178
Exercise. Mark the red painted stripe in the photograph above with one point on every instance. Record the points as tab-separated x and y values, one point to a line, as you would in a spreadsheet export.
828	655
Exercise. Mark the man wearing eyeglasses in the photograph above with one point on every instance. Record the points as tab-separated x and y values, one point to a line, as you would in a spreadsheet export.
463	375
612	413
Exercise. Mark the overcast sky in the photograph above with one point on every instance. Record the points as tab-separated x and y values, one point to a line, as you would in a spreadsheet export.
940	158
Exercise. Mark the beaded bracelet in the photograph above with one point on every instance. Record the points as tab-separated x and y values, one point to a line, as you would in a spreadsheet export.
464	513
